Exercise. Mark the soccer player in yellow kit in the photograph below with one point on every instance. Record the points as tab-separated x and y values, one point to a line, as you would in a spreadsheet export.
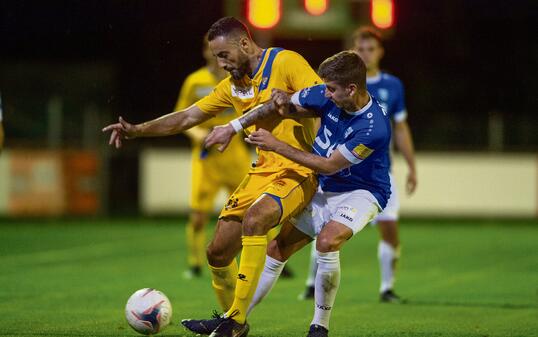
211	170
275	189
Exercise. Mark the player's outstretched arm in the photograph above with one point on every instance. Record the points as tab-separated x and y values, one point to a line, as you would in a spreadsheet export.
326	166
166	125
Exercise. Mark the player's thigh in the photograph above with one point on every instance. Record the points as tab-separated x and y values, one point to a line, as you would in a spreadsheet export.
287	242
293	192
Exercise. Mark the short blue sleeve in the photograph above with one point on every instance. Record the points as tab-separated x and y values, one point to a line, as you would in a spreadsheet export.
311	98
400	111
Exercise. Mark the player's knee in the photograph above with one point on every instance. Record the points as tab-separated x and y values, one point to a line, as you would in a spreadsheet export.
258	221
217	255
325	244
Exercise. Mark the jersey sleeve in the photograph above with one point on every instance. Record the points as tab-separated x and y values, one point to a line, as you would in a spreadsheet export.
312	98
218	100
400	111
297	72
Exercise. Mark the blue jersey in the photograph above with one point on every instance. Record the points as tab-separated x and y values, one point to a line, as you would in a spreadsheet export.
389	92
363	138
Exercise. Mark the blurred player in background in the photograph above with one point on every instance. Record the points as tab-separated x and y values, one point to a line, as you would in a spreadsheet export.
211	170
275	189
389	91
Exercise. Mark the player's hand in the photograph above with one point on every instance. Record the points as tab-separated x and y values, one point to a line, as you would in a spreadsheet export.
263	139
221	134
121	130
281	100
411	183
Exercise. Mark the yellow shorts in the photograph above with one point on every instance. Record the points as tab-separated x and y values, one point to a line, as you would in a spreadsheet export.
291	189
215	171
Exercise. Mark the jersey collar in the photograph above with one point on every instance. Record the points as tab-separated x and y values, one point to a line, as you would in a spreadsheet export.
259	65
364	108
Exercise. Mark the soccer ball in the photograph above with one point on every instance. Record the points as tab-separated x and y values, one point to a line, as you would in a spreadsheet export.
148	311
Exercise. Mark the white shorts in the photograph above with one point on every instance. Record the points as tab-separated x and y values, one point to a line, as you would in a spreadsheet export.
353	209
392	210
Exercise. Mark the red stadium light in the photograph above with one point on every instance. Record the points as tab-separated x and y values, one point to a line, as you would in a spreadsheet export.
382	13
263	14
316	7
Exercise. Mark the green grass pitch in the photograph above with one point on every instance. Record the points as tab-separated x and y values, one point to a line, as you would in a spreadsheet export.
462	278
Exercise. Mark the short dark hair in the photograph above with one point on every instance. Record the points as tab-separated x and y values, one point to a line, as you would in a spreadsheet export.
367	32
227	26
344	68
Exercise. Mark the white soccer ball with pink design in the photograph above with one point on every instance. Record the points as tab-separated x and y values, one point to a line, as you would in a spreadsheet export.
148	311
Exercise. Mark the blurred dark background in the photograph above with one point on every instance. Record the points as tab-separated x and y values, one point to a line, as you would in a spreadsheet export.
469	69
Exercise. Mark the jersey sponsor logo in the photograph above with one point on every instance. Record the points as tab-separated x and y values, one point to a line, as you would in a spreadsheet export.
242	93
347	213
333	118
362	151
348	131
305	92
242	277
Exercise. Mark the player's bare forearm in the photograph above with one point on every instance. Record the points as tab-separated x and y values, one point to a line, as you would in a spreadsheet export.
258	113
170	124
404	143
310	160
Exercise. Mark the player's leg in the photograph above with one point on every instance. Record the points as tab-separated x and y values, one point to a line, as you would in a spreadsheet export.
349	213
221	253
286	194
389	246
279	250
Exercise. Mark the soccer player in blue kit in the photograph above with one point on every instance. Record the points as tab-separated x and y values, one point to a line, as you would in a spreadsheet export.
389	92
351	156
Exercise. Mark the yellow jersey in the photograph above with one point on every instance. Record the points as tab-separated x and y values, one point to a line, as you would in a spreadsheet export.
280	69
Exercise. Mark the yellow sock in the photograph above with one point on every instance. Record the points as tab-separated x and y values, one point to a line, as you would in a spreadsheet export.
224	284
250	269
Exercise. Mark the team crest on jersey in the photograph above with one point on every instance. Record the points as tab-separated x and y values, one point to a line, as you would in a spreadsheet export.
362	151
242	92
